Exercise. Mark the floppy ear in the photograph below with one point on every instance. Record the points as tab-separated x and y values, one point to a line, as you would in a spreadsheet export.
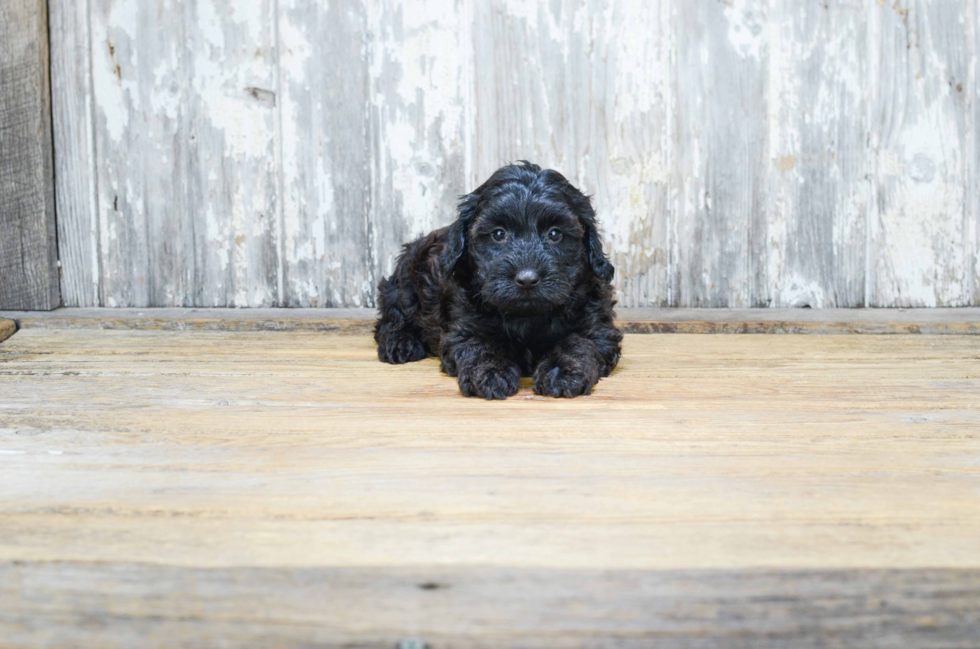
455	247
597	258
582	206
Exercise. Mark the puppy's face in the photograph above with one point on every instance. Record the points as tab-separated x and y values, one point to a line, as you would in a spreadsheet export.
527	235
527	248
529	239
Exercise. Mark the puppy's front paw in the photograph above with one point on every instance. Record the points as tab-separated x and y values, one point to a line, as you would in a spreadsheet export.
400	347
491	380
561	376
448	364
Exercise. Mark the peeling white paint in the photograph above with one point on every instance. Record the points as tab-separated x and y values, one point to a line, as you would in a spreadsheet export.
746	27
738	152
116	49
797	291
920	256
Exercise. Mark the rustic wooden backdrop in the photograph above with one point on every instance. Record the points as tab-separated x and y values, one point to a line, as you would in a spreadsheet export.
741	153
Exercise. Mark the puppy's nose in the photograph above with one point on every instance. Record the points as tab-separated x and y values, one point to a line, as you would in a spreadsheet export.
527	278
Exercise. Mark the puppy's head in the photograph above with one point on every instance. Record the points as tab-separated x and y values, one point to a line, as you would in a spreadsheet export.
529	239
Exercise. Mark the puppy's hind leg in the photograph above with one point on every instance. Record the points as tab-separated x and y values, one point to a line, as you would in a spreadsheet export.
397	346
397	337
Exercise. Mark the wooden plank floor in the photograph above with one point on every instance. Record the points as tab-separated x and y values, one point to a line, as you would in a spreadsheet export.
167	488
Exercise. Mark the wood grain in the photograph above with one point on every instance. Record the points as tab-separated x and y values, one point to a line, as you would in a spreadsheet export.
363	325
28	248
818	162
922	134
700	452
326	146
372	145
122	605
230	488
936	321
419	57
76	197
741	154
722	148
185	125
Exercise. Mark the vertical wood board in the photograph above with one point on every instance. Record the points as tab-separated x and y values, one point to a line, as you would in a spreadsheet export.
922	54
818	162
325	153
722	146
74	153
28	248
187	171
418	61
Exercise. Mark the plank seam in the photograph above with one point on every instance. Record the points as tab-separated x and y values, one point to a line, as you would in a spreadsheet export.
666	17
280	176
51	190
972	205
870	212
94	161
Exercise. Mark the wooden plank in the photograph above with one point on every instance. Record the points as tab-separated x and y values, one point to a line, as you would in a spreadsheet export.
74	153
301	449
714	491
326	147
819	162
185	113
148	322
138	169
937	321
722	148
373	146
922	57
7	329
418	58
124	605
588	93
764	324
28	248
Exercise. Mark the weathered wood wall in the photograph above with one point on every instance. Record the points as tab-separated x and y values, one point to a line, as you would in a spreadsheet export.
28	250
741	153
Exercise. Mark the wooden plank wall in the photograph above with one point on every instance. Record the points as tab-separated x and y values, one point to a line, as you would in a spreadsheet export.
745	153
28	250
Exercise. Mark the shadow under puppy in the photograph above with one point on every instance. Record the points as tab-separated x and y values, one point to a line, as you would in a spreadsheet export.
518	285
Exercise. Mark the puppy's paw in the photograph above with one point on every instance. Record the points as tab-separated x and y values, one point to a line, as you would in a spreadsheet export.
496	379
448	364
401	347
558	376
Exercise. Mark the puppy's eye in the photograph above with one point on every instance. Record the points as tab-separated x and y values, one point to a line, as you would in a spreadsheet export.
554	235
499	234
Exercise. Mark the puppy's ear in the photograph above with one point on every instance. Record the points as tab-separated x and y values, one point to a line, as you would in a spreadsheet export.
582	206
455	247
593	246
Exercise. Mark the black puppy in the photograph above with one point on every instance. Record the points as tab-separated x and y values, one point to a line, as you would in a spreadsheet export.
518	285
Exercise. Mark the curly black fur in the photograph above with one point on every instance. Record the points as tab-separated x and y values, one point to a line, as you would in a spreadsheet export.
517	286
